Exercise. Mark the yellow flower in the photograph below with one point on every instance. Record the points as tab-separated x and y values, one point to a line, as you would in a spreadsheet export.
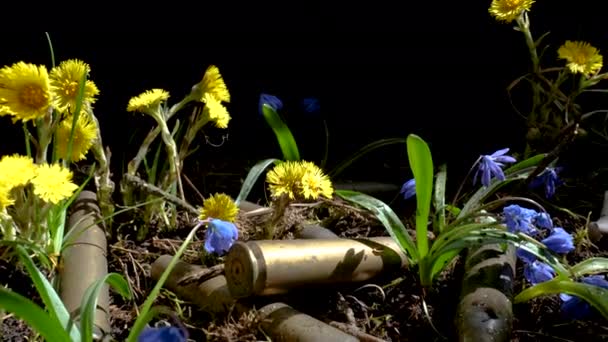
216	111
509	10
315	183
16	170
212	83
582	57
5	196
24	90
85	134
219	206
53	183
147	101
285	178
65	83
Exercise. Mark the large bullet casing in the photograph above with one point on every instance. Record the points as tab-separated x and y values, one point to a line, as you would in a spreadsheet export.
274	266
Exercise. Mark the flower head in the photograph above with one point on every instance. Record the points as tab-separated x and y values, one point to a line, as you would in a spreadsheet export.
65	84
549	179
213	84
24	91
525	256
559	241
315	183
216	111
219	206
581	56
220	236
408	189
163	334
491	166
85	133
509	10
577	308
271	101
53	183
5	196
538	272
16	170
148	102
543	220
519	219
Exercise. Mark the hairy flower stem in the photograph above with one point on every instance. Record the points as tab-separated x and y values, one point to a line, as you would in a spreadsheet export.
197	121
278	206
44	129
105	186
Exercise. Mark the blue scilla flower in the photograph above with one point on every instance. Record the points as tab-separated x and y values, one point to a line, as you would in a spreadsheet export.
311	105
576	308
163	334
220	236
538	272
525	256
559	241
519	219
543	220
270	100
491	166
549	179
408	189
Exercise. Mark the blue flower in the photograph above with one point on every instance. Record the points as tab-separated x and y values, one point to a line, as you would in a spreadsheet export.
519	219
311	105
525	256
164	334
220	236
549	179
408	189
270	100
538	272
543	220
559	241
577	308
491	166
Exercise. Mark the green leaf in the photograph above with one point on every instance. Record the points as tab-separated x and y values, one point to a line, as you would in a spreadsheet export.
284	137
594	295
89	301
421	163
252	178
524	164
50	329
590	266
442	261
363	151
140	323
387	216
50	298
439	197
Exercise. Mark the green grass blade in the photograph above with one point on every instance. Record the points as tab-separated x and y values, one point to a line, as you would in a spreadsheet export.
387	216
594	295
252	177
286	140
590	266
363	151
50	298
442	261
439	198
89	301
524	164
50	329
421	163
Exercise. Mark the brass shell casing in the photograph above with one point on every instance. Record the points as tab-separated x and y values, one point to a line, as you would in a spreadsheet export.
267	267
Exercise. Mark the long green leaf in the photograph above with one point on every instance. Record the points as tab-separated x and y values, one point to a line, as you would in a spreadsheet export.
363	151
439	197
590	266
141	322
89	301
38	319
49	296
421	163
594	295
252	177
286	140
387	216
524	164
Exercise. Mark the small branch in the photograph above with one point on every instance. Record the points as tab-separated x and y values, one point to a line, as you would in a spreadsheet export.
153	190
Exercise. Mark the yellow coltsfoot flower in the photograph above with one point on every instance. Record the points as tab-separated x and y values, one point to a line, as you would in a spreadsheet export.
212	83
216	111
581	56
24	91
53	183
148	102
65	83
5	196
16	170
219	206
509	10
298	180
85	134
315	183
